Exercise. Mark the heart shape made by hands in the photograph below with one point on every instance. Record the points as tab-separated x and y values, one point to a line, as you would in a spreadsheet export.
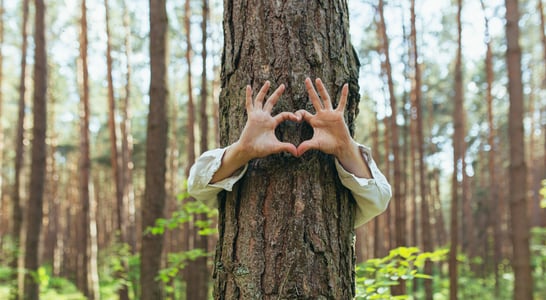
294	132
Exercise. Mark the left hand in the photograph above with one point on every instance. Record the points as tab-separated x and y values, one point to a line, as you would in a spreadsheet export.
331	134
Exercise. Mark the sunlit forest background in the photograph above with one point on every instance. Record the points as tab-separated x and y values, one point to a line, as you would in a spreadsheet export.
96	226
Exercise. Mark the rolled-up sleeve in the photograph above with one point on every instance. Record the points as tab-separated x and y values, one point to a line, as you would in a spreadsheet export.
372	195
201	173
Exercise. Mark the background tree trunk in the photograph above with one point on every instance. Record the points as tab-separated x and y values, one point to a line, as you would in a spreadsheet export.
16	210
286	230
127	139
399	203
156	152
540	8
523	284
2	204
458	140
198	283
493	203
123	291
417	116
38	165
88	282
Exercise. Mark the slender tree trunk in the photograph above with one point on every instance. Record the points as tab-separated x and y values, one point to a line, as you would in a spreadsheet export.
493	194
114	153
156	152
286	229
540	9
87	261
123	291
400	207
38	164
458	147
204	120
127	139
377	222
190	106
523	284
16	210
2	205
198	289
418	115
216	107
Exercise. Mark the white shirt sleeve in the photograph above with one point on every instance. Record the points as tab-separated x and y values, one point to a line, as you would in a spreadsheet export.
372	195
201	173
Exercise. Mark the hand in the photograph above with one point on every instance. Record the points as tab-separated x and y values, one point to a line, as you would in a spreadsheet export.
330	132
258	137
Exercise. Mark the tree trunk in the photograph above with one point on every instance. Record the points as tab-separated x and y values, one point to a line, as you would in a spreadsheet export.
204	120
156	152
127	140
123	291
523	284
114	153
540	8
458	147
197	284
400	207
2	205
417	114
493	203
16	210
286	229
38	164
87	258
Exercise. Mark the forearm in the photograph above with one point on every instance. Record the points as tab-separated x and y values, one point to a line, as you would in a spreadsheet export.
233	159
352	160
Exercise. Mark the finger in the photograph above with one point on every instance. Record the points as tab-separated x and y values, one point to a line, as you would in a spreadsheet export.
323	94
304	115
343	98
284	116
286	147
249	105
272	100
313	96
258	102
306	146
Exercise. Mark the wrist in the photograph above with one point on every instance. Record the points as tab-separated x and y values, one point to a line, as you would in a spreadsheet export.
348	152
352	160
238	153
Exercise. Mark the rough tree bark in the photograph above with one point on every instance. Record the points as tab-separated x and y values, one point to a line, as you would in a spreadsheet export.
523	284
156	152
34	210
286	229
